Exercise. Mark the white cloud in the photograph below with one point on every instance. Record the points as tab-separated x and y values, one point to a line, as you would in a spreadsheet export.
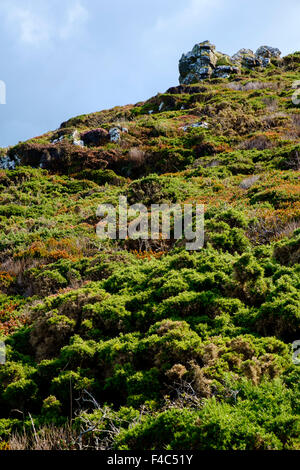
193	13
183	25
76	16
29	27
32	24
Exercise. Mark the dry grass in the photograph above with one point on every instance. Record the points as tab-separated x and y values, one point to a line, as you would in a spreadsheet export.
287	230
46	438
250	86
265	231
259	142
296	122
294	132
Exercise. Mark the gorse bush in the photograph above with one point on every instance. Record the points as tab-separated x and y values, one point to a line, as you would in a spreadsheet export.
147	345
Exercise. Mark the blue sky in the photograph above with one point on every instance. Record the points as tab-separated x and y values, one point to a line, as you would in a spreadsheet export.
61	58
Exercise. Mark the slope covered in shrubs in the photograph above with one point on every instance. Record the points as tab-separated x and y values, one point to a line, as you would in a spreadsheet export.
148	345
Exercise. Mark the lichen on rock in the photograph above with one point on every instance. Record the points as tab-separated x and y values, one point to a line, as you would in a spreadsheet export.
204	62
8	162
266	53
197	64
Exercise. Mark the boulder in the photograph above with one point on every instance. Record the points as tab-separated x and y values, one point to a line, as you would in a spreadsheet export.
115	134
95	137
246	58
9	162
204	125
197	64
224	71
266	53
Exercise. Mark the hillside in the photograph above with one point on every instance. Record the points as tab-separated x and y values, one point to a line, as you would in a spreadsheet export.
148	345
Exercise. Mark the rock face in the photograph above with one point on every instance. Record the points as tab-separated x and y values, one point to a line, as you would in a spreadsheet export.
197	64
266	53
115	133
224	71
9	163
203	62
246	58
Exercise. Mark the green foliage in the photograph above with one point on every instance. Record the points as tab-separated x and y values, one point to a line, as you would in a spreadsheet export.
20	393
101	177
220	426
179	349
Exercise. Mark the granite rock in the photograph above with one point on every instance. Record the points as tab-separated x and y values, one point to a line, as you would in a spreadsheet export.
204	62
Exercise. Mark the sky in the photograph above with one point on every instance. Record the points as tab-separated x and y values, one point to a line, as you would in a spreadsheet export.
62	58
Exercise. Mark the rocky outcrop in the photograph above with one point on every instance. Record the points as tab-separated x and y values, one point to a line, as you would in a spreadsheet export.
203	62
246	58
224	71
197	64
266	53
115	133
9	162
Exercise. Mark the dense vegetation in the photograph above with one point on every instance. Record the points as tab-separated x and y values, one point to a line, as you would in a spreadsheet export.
147	345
